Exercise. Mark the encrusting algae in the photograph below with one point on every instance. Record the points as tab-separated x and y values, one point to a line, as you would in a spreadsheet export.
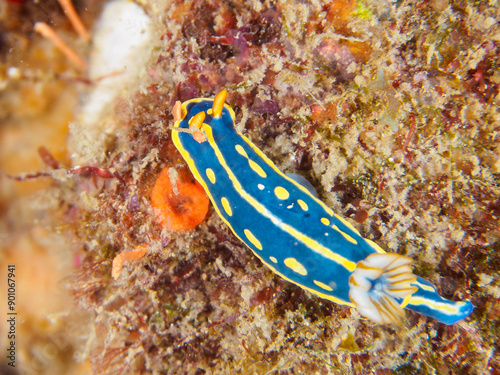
389	109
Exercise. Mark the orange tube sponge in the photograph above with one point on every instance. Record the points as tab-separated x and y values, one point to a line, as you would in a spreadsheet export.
180	201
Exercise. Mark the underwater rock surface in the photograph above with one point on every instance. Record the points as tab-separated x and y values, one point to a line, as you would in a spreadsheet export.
391	111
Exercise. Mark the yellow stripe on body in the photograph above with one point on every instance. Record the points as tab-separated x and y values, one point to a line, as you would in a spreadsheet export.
316	292
374	246
240	150
346	236
323	285
271	164
347	224
303	205
211	175
309	242
406	301
252	164
424	287
295	266
251	237
443	307
257	168
226	206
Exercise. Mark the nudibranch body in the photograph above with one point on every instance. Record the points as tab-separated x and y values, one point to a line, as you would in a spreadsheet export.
291	231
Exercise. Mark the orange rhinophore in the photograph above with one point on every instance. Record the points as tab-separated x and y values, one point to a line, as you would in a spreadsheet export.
218	105
177	111
196	124
180	201
197	120
127	256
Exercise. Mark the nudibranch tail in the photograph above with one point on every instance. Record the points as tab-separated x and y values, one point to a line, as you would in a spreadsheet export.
427	301
377	285
219	101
